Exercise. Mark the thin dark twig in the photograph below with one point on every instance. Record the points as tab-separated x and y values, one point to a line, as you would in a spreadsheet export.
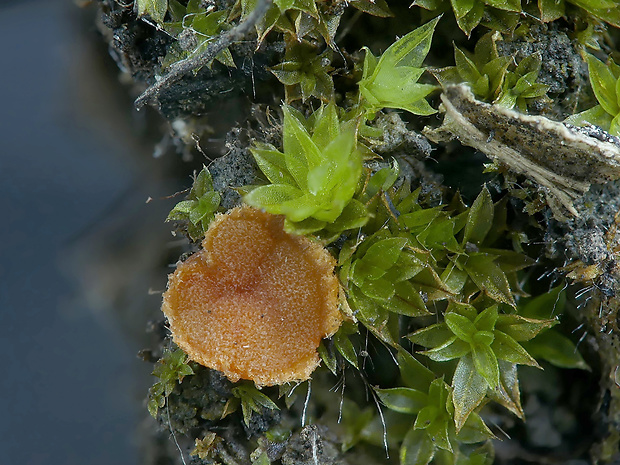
182	67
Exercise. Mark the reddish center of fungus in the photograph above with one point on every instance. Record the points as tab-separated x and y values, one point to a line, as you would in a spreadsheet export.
256	301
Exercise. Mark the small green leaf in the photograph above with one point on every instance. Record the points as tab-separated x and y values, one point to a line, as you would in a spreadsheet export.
418	220
328	358
596	115
406	300
417	448
343	344
461	326
462	7
272	196
520	328
386	252
474	430
414	374
431	336
252	400
489	277
156	9
469	389
374	7
557	350
508	392
485	362
486	320
453	348
479	219
550	10
393	82
271	163
403	400
604	85
506	348
466	68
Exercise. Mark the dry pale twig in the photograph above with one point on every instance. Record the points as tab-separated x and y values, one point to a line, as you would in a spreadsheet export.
182	67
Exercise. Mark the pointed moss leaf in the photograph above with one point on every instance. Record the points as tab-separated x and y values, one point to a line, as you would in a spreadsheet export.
414	374
462	7
420	107
479	219
454	278
603	84
425	417
328	358
474	430
432	336
486	320
614	126
483	338
375	318
386	252
420	219
343	344
460	326
300	152
205	207
506	348
406	301
393	82
379	289
417	448
486	363
468	388
181	210
403	400
326	126
508	393
468	22
156	9
252	400
406	267
520	328
202	184
374	7
370	63
454	348
272	163
361	271
434	418
440	234
466	310
272	196
550	10
411	49
466	68
354	215
557	350
596	115
489	277
307	226
509	260
428	281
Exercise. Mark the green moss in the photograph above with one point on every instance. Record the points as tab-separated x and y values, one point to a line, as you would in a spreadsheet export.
433	290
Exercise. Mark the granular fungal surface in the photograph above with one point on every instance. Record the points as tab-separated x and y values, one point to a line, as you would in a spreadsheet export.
255	302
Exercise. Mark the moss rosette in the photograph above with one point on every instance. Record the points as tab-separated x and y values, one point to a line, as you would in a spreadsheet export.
255	302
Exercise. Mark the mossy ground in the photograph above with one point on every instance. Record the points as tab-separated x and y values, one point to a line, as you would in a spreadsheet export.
571	416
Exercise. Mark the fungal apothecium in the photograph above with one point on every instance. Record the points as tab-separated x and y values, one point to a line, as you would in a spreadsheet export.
255	302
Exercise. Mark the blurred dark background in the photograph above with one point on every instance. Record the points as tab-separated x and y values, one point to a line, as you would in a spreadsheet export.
82	253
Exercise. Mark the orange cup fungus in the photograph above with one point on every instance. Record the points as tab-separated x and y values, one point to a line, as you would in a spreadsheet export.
256	301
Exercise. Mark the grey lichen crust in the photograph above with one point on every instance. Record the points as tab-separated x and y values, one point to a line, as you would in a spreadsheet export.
559	157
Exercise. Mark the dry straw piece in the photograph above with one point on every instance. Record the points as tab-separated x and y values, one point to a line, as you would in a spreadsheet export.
255	302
